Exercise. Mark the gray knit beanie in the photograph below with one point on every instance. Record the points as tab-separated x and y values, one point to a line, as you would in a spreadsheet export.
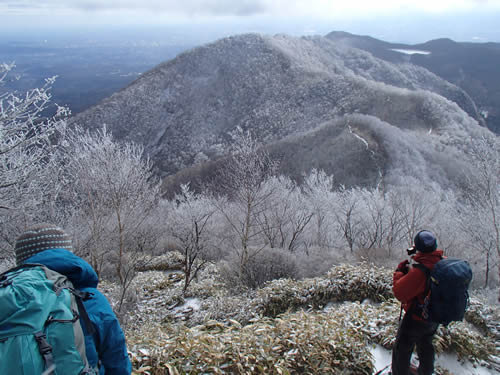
39	238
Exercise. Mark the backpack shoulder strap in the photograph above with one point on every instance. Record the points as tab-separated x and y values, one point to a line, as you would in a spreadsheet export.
80	297
428	276
427	273
422	309
423	268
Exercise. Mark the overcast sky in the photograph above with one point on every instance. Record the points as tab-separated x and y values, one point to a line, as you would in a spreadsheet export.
310	14
316	8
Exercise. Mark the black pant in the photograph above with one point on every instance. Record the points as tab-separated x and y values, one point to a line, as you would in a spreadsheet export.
414	332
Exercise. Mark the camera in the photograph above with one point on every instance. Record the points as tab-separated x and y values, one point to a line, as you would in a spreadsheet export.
411	250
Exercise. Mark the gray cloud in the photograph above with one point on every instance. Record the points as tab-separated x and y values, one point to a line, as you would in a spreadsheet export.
275	8
193	7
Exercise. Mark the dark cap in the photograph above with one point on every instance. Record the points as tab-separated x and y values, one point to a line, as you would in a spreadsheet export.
425	241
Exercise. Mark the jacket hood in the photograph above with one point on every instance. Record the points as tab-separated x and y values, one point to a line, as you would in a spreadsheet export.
78	271
428	259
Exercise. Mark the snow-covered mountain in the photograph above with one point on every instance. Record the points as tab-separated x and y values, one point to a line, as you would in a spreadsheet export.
314	102
471	66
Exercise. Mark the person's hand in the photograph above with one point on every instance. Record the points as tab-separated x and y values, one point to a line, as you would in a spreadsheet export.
403	266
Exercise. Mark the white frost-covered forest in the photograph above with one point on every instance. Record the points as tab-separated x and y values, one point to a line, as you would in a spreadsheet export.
254	273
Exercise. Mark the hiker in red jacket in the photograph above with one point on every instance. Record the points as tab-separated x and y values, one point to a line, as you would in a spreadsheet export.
409	287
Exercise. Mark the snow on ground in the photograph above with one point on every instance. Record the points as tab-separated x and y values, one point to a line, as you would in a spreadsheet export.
382	358
189	303
449	361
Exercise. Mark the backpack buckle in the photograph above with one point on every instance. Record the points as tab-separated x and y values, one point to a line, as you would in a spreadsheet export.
84	296
46	352
43	345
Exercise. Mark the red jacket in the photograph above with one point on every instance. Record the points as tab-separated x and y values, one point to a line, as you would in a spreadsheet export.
410	286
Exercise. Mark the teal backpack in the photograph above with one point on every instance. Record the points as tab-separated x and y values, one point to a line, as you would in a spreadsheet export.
40	331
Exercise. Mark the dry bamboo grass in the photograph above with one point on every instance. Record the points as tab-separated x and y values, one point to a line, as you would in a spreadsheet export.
294	343
284	328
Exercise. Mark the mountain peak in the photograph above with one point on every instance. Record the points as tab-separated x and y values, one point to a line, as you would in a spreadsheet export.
280	87
440	43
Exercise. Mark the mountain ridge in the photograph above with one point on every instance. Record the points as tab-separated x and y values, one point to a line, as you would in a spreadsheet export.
471	66
279	87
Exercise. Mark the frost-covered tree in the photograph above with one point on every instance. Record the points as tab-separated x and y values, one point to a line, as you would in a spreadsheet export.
284	222
417	203
189	223
483	199
347	214
380	226
243	181
116	194
28	141
318	193
477	239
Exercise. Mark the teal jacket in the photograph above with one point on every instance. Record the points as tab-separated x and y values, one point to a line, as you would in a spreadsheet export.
106	349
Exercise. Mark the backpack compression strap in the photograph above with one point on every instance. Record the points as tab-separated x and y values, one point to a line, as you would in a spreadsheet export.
46	352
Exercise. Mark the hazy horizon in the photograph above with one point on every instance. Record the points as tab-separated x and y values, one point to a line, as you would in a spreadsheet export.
404	21
96	48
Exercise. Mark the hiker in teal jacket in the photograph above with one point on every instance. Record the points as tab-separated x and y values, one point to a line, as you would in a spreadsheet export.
49	245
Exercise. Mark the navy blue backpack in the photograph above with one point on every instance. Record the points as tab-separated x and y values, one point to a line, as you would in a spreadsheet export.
446	296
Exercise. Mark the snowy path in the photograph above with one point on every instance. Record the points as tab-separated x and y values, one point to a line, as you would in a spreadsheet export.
448	361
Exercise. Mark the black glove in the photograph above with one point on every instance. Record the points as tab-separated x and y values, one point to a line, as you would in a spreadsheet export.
403	266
